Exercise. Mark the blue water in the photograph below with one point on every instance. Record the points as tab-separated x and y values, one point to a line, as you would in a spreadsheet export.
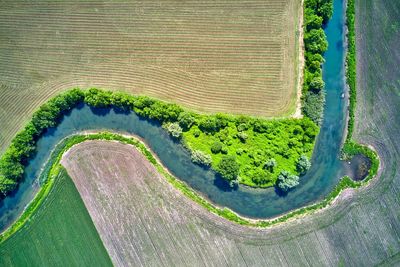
258	203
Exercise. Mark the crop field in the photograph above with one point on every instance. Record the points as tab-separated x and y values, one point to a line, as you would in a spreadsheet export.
60	233
361	229
239	57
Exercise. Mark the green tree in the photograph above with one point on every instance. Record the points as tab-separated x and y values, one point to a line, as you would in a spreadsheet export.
317	84
201	158
303	164
186	120
270	164
315	41
216	147
174	129
287	181
228	168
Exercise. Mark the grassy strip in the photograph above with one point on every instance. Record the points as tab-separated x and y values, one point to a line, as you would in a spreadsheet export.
351	65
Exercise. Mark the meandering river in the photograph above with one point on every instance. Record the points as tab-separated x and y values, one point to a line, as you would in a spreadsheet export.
257	203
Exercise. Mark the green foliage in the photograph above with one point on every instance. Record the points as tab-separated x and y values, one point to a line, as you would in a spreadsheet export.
316	15
283	140
315	41
186	120
313	106
228	168
351	65
216	147
270	164
174	130
23	146
242	136
303	164
201	158
287	181
317	84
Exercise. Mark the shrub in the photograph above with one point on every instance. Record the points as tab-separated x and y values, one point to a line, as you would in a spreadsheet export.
303	164
242	136
260	177
287	181
228	168
216	147
317	84
270	164
196	133
313	106
315	41
201	158
186	120
208	124
174	130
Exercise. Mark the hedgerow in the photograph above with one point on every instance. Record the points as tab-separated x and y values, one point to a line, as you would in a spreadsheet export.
316	15
259	140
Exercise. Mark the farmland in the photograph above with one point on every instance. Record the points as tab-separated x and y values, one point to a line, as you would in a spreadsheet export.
207	55
60	232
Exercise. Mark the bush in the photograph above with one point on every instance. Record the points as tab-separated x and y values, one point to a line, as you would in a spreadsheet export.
260	177
228	168
303	164
174	130
201	158
186	120
313	106
270	164
197	133
287	181
317	84
242	136
315	41
216	147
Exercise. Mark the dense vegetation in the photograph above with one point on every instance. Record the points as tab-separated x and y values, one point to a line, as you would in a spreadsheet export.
252	141
316	15
351	64
261	148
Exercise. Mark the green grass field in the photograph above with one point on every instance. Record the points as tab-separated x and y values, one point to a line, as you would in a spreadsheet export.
61	233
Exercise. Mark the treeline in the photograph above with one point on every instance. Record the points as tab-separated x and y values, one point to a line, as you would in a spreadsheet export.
351	64
316	14
173	117
23	146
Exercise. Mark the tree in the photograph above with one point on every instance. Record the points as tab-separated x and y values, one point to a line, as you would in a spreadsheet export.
175	130
260	177
287	181
242	136
216	147
270	164
303	164
186	120
201	158
312	21
208	124
317	84
228	168
315	41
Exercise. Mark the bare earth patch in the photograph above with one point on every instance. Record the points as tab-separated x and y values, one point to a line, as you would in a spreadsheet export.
144	221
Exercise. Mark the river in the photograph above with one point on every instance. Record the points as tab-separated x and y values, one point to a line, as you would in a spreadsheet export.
324	174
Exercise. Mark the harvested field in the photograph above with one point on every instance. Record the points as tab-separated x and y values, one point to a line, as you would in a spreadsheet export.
238	57
60	233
